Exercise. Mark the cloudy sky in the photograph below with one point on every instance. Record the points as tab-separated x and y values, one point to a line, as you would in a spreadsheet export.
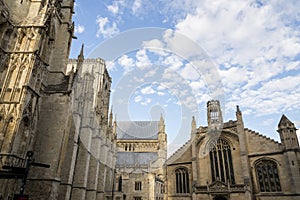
249	49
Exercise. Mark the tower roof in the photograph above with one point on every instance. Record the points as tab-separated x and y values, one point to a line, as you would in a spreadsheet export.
285	123
283	120
137	130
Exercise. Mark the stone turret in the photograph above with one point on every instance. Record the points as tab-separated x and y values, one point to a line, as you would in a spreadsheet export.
214	115
287	133
162	137
289	140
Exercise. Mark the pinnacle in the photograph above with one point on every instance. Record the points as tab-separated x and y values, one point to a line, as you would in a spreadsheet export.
284	120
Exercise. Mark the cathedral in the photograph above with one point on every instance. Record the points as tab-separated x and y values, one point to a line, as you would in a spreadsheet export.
59	139
56	135
141	155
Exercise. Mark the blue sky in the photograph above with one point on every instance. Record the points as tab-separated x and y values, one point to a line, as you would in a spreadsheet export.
254	47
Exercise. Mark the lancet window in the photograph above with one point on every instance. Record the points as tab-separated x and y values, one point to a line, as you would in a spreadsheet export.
182	180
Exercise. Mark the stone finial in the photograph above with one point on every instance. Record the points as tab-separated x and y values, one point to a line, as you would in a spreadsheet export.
238	108
115	127
81	51
238	114
161	124
80	59
194	125
161	120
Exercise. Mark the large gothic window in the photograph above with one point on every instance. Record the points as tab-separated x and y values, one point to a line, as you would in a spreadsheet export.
221	161
267	176
182	180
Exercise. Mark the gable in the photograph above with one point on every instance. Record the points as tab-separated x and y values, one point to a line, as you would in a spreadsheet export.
181	155
258	143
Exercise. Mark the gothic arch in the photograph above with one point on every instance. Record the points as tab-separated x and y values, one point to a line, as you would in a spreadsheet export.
265	158
267	175
6	37
182	180
221	160
230	134
204	142
22	136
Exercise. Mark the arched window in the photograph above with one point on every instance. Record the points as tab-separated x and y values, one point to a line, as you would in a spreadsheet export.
267	176
182	181
221	161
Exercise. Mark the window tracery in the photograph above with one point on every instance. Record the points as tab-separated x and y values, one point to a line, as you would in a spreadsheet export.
182	180
267	176
221	161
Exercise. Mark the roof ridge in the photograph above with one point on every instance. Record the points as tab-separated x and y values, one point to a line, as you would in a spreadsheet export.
181	148
261	135
138	130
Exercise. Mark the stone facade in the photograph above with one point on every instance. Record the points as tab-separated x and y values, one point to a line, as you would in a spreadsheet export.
90	161
35	111
141	154
58	113
228	161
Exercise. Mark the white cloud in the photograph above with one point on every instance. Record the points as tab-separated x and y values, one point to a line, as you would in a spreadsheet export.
189	72
105	28
143	61
150	73
138	98
254	43
197	86
240	29
110	66
146	102
136	6
161	87
155	43
79	29
173	62
274	96
126	62
234	76
293	65
114	8
147	90
160	93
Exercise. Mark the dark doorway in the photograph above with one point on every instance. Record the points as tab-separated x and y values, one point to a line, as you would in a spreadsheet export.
220	198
